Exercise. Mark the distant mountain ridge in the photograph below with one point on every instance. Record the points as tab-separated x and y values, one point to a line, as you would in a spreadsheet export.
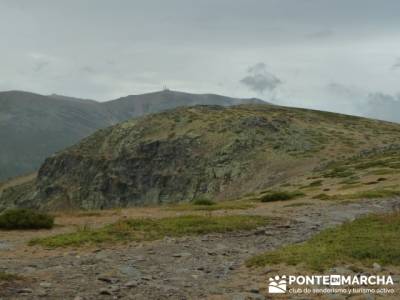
34	126
137	105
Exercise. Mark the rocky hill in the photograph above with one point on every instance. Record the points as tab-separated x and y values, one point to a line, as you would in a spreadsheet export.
197	152
34	126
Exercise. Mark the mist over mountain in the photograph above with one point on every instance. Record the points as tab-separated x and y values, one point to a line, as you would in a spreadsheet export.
34	126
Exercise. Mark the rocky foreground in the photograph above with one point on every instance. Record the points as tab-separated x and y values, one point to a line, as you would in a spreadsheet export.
202	267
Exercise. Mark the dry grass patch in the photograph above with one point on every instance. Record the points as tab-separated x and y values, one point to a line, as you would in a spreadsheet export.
4	277
375	238
147	229
213	206
368	194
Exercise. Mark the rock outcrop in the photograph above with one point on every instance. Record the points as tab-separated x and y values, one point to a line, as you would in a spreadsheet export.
195	152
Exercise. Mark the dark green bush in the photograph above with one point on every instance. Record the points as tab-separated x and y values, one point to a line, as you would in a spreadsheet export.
203	201
322	196
316	183
8	277
280	196
339	172
25	219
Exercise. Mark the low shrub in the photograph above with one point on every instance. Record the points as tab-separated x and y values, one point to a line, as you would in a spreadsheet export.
316	183
8	276
220	205
153	229
25	219
339	172
280	196
203	201
370	239
322	196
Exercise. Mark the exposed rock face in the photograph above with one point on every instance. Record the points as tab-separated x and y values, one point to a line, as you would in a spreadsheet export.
33	126
194	152
152	172
133	168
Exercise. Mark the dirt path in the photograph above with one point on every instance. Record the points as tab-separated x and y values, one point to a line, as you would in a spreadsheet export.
186	268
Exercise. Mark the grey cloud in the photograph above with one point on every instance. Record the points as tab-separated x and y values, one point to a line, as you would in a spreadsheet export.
40	61
383	106
259	79
377	105
39	66
322	34
343	90
396	65
108	49
88	69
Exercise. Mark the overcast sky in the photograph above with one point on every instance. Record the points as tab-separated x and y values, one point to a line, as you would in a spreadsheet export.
338	55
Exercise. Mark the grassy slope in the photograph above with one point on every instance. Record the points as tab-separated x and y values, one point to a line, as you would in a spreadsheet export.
248	144
245	149
281	138
372	174
221	205
375	238
34	126
16	181
153	229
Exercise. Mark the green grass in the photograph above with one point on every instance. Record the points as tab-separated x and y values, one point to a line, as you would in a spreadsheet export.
371	164
8	277
316	183
375	238
370	194
223	205
153	229
350	186
375	163
89	214
203	201
298	204
25	219
323	196
280	196
377	193
339	172
351	180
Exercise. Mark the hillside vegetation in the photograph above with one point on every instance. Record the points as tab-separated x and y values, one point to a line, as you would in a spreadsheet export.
366	240
34	126
215	153
151	229
370	174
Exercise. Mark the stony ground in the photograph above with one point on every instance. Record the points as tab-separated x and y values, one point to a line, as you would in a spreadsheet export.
202	267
